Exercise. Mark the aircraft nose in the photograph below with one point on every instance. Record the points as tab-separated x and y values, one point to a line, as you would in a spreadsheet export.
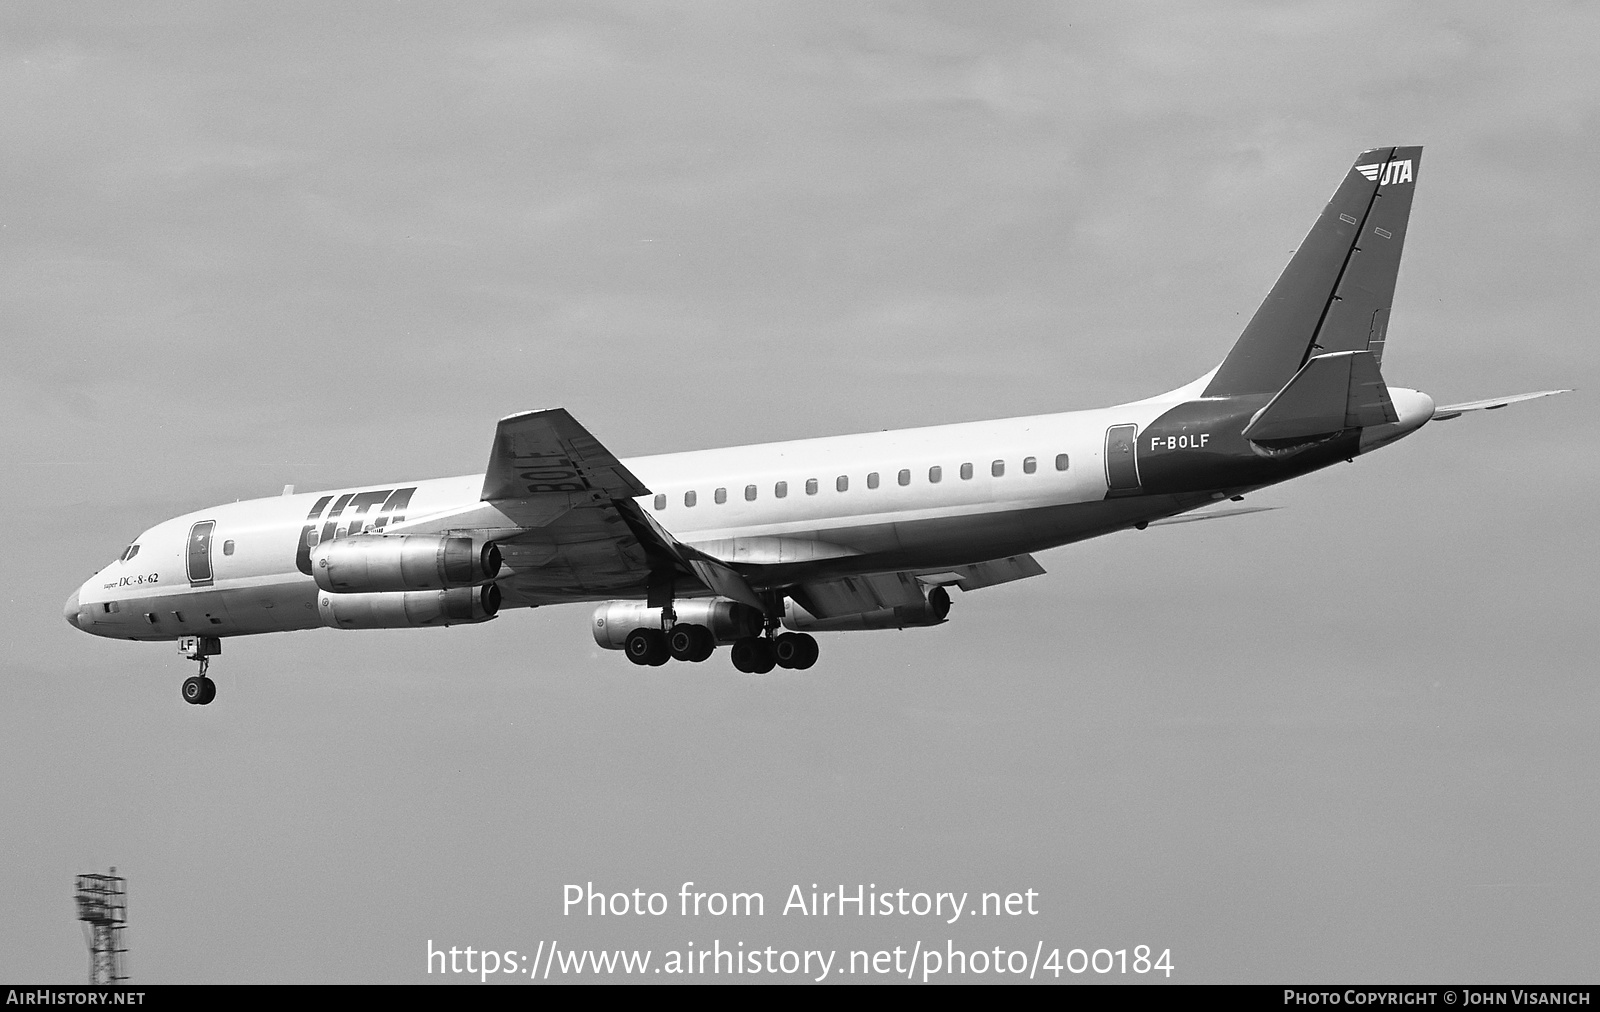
71	610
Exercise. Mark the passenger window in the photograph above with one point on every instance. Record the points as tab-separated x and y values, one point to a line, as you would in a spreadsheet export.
1030	465
872	480
998	468
811	486
905	476
689	498
966	471
749	493
227	548
661	501
721	496
935	473
781	489
1061	462
842	483
313	536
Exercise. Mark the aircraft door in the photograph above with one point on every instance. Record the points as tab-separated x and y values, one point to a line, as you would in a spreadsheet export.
199	553
1122	466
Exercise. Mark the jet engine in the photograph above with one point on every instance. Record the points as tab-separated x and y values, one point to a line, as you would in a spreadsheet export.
402	610
368	563
932	611
727	620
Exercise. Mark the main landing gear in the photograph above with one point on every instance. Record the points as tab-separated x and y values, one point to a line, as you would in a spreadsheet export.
759	655
198	689
752	654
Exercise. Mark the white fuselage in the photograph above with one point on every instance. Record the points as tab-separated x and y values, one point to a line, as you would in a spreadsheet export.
891	500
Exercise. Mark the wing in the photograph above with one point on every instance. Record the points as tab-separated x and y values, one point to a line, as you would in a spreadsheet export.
855	595
1450	411
561	508
1189	518
541	452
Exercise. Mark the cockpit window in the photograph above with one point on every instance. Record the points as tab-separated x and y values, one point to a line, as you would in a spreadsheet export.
130	552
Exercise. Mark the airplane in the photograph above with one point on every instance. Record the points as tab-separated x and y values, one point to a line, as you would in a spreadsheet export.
690	551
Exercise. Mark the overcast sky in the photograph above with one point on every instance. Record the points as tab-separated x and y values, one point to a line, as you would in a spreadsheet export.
245	246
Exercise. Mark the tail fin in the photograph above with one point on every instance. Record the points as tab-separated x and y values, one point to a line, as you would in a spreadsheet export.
1336	292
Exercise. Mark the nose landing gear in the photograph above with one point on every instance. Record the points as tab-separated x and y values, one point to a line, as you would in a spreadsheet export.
198	689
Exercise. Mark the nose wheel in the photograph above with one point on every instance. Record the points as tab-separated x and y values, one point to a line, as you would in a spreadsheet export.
198	690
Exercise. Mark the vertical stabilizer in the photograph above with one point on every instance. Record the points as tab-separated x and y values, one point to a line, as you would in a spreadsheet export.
1336	292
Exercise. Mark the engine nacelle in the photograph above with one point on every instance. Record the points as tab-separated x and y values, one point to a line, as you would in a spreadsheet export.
372	563
408	609
727	620
933	610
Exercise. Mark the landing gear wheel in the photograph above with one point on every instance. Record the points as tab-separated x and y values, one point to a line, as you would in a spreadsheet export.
707	644
199	690
754	655
690	642
646	646
795	650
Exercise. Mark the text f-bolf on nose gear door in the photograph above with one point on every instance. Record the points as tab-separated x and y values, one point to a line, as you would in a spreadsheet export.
1122	465
199	553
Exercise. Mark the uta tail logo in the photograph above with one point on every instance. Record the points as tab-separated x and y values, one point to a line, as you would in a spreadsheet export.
1392	172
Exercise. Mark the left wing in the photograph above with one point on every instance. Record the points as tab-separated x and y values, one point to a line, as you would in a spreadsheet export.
547	452
561	508
602	543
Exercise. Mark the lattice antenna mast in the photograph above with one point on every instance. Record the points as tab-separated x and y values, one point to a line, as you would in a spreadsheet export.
103	909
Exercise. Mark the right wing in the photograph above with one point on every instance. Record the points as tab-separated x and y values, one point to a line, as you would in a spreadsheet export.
854	595
1189	518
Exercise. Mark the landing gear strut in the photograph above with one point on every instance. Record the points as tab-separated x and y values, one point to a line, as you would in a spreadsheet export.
198	689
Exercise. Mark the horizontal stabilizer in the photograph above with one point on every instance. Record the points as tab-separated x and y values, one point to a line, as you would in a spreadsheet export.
1331	393
1450	411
